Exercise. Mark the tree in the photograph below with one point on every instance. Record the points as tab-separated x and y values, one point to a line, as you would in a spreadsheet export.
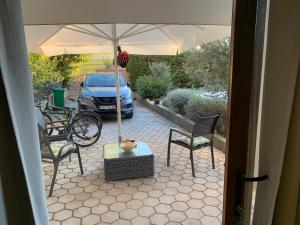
67	64
159	69
179	78
139	65
216	57
209	66
195	69
43	70
46	70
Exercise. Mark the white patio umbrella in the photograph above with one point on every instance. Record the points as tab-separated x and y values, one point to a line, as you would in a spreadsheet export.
199	12
150	39
141	26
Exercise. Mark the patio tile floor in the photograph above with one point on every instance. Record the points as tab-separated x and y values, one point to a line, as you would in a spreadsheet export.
172	196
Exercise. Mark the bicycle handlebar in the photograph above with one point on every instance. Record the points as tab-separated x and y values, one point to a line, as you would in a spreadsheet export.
53	107
73	100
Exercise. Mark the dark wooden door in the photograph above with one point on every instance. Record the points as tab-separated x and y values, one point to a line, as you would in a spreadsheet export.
240	96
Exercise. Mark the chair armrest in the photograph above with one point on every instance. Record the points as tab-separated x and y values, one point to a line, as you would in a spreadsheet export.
62	148
54	127
73	100
56	121
56	107
56	138
180	132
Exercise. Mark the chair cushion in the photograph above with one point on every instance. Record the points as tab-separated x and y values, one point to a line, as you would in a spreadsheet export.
55	146
198	141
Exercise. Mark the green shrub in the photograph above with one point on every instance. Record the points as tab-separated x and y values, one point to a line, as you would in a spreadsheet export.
206	67
209	66
139	66
67	65
179	78
43	70
46	70
152	88
159	69
177	99
198	106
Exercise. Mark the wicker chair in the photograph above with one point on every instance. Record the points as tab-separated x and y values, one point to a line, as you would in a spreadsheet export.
54	150
205	126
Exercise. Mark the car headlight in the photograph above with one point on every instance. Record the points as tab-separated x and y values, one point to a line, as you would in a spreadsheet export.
86	98
126	97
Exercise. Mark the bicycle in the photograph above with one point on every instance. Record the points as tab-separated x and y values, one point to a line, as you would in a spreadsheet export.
85	126
58	116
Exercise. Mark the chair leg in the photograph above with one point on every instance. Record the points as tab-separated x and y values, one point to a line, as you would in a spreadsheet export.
79	160
192	163
70	158
53	178
212	155
169	152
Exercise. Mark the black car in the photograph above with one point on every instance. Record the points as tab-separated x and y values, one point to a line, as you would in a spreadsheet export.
98	94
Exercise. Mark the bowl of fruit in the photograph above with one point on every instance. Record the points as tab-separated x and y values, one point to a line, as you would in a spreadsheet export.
128	145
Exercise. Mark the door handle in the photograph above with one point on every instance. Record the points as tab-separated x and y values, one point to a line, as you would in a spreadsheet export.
254	179
241	180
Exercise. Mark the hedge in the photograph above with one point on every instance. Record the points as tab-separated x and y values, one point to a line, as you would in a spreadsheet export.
183	101
152	87
139	66
177	99
198	106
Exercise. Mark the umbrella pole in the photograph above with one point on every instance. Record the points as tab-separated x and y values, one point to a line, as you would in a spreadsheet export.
115	42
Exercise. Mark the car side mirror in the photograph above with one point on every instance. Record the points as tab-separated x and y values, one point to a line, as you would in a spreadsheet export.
128	84
81	84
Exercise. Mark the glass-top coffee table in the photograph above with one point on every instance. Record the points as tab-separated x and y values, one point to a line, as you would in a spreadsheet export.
120	165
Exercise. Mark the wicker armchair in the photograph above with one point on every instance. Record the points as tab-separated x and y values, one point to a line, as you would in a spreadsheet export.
54	150
205	126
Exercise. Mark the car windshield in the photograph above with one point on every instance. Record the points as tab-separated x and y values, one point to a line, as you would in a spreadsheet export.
103	80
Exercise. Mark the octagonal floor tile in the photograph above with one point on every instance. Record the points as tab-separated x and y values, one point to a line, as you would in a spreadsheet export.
171	197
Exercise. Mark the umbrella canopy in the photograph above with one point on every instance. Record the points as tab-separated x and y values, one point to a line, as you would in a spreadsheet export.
76	26
199	12
150	39
144	27
146	39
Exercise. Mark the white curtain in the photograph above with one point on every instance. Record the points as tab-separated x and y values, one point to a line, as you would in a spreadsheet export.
18	87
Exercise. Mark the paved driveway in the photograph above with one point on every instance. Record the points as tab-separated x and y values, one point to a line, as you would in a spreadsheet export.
172	196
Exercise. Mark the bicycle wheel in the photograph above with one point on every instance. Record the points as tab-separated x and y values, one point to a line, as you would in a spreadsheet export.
48	119
85	130
92	115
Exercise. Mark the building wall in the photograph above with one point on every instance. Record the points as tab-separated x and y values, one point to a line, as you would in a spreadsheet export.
288	194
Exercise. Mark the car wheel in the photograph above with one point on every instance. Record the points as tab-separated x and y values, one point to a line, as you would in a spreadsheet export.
129	115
